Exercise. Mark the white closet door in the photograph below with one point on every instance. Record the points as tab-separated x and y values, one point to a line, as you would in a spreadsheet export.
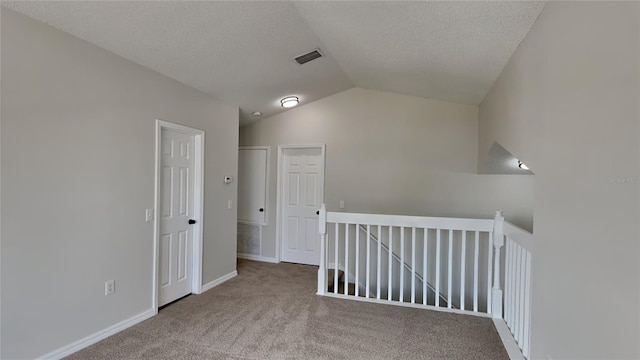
252	185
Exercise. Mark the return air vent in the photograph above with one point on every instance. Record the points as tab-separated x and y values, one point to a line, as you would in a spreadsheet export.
310	56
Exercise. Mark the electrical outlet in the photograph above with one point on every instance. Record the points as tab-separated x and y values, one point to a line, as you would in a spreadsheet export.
109	287
341	204
148	215
229	205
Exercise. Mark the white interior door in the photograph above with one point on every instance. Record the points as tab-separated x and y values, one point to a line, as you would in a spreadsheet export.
302	195
176	240
252	185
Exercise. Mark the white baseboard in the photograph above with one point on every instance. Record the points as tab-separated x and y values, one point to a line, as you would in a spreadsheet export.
257	258
210	285
100	335
507	340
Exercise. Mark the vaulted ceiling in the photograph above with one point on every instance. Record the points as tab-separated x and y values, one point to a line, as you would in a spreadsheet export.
242	52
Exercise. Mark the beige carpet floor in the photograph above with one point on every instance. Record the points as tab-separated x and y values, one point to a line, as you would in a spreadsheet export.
270	311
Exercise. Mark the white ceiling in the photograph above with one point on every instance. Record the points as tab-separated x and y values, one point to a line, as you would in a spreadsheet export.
242	52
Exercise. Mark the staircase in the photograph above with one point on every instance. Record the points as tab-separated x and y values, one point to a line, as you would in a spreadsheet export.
448	264
340	290
380	243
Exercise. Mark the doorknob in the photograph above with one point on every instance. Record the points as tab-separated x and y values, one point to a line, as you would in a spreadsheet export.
318	212
191	221
261	210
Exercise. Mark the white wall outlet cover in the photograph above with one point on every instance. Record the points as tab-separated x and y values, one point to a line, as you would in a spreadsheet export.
109	287
341	204
228	179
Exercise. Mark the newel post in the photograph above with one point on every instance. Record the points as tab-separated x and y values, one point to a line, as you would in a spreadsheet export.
498	242
322	270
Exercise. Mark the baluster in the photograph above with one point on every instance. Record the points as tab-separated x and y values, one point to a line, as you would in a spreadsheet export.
425	252
390	283
335	260
379	261
322	270
476	258
463	251
402	264
357	285
527	307
523	269
438	267
498	242
516	307
512	302
507	282
413	265
368	267
450	270
489	264
346	259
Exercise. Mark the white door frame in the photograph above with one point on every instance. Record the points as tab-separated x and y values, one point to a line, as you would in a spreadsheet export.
198	194
281	149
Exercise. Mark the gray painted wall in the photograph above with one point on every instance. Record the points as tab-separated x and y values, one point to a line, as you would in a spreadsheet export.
77	147
567	105
394	154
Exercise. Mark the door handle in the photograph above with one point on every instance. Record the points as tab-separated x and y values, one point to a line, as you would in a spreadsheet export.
191	221
261	210
318	212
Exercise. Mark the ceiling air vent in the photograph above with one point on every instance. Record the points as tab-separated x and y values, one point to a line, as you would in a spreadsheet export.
305	58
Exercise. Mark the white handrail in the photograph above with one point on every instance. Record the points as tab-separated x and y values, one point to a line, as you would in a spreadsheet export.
483	225
500	240
522	237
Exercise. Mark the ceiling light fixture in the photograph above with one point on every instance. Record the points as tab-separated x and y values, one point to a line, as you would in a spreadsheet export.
289	101
522	166
257	113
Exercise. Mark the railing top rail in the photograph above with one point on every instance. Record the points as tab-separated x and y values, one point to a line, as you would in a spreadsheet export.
520	236
485	225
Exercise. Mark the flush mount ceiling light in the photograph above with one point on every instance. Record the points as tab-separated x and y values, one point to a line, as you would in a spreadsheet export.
257	113
522	166
289	101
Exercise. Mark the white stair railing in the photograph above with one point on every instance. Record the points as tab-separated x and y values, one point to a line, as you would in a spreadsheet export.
436	249
517	297
392	258
458	258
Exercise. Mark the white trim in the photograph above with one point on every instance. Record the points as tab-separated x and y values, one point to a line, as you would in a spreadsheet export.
281	149
403	304
482	225
266	185
258	258
100	335
507	340
198	194
210	285
520	236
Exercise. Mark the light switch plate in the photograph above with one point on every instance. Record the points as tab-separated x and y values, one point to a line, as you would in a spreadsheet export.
148	215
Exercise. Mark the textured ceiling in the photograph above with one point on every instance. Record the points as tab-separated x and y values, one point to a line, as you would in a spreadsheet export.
242	52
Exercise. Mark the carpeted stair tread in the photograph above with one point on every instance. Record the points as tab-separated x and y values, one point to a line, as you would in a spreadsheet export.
331	278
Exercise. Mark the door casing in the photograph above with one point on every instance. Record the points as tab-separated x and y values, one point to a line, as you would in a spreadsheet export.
198	195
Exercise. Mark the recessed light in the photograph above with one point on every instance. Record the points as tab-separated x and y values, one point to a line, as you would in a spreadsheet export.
289	101
257	113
